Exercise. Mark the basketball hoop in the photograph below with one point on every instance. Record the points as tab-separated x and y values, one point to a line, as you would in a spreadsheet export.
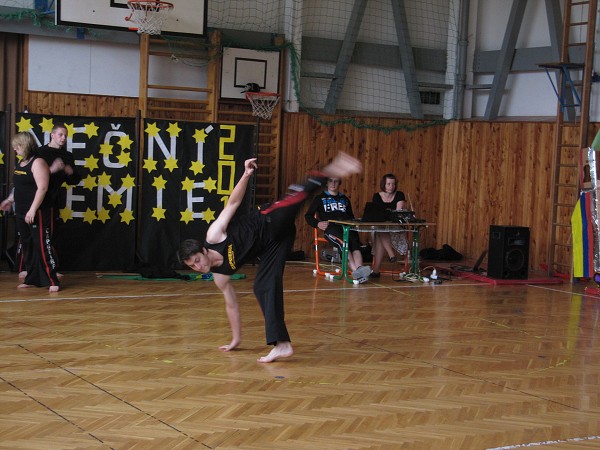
262	103
148	15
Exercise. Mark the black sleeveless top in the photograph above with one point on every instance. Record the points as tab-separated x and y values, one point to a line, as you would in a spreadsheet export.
244	241
25	188
398	196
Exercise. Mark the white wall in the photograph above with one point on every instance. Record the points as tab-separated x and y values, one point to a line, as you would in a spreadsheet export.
83	67
103	68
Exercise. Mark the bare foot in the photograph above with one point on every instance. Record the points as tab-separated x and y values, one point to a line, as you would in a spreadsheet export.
22	275
281	350
53	288
23	286
230	346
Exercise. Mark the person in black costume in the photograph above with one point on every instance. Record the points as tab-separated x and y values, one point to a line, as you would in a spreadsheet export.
268	235
33	214
62	171
61	163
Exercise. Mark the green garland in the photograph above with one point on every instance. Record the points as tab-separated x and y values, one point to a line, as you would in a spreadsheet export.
42	19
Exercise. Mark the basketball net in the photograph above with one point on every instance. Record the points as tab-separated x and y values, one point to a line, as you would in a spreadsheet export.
148	15
262	103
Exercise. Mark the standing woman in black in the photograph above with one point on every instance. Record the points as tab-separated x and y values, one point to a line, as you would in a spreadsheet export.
33	214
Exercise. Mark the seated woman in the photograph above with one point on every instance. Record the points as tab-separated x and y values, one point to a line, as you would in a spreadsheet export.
388	198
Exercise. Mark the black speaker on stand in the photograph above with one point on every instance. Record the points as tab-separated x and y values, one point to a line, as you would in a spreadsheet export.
508	253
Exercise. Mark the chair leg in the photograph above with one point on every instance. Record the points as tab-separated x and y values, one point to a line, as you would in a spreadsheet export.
319	270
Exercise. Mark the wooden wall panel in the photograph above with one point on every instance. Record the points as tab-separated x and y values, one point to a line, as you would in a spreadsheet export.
464	176
505	168
61	104
414	157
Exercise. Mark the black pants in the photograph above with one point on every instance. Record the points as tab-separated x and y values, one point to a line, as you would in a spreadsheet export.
20	255
280	235
335	234
36	246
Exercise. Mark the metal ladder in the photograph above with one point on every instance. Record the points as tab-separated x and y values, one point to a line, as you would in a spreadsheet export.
571	131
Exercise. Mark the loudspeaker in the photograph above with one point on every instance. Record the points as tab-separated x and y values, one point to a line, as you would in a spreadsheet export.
508	253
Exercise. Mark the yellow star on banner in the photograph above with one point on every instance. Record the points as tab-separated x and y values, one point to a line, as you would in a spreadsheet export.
171	163
159	182
89	216
187	184
124	158
70	129
104	179
91	162
47	125
197	167
152	129
127	216
24	124
89	182
210	184
200	136
66	214
103	215
158	213
173	130
186	216
150	164
114	199
1	158
91	130
128	181
106	149
208	216
125	142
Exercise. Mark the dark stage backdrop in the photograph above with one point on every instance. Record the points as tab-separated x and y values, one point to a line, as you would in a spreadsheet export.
128	211
97	222
188	172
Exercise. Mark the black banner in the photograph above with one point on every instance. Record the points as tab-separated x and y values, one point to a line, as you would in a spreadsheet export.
188	172
97	227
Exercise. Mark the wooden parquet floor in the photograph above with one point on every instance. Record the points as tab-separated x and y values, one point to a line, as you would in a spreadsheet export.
134	364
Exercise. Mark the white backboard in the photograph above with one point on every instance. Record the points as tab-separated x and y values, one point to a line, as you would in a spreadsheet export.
242	65
188	17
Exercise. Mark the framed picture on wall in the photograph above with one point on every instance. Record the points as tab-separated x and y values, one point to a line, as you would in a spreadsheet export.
240	66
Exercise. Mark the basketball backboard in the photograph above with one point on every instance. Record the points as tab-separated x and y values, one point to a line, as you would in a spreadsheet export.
188	17
242	65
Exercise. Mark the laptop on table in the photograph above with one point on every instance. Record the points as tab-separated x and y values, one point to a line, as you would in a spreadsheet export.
374	213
